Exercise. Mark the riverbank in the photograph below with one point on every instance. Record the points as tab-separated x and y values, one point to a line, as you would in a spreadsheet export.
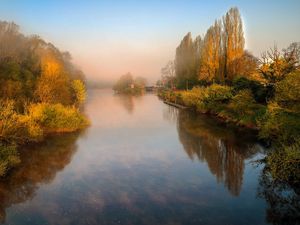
138	153
278	125
37	123
215	100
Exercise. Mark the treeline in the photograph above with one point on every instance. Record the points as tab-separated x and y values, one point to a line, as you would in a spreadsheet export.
127	84
40	92
219	56
220	77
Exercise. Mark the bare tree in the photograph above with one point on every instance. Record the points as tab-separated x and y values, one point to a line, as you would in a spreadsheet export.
168	74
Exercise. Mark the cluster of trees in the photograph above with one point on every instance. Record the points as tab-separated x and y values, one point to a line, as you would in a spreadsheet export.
219	56
40	92
36	71
127	84
226	80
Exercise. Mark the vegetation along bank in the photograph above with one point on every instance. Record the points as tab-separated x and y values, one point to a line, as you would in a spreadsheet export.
41	92
215	74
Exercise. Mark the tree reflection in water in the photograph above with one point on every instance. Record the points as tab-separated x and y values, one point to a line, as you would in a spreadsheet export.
283	200
40	164
224	149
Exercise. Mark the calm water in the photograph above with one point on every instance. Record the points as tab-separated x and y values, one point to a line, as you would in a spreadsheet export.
140	162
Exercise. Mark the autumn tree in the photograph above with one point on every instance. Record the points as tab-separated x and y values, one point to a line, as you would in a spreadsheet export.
211	54
245	66
79	92
233	42
275	64
34	70
185	68
53	86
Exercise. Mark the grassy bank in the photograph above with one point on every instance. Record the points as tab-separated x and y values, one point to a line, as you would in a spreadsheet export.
220	101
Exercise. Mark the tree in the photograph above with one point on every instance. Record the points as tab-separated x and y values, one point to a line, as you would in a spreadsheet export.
211	54
53	86
140	82
287	91
168	74
233	42
185	69
124	83
245	66
79	92
275	65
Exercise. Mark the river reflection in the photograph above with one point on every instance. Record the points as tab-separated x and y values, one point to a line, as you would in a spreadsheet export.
224	149
40	165
140	162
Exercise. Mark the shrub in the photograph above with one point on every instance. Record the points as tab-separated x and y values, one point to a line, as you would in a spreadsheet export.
243	109
280	124
204	99
287	91
57	118
214	98
79	92
193	97
16	127
258	90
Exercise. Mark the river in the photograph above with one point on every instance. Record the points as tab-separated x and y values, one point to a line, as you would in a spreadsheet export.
139	162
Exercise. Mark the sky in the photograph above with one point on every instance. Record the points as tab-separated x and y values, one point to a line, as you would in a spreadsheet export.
109	38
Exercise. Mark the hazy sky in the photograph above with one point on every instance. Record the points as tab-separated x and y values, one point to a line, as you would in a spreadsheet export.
110	38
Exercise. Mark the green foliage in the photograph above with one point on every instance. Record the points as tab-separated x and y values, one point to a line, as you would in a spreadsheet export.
16	127
34	70
79	92
284	163
283	118
287	91
214	98
243	109
127	85
258	90
280	124
9	158
276	65
57	118
193	97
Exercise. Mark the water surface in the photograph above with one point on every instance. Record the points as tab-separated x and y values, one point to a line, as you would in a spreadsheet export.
140	162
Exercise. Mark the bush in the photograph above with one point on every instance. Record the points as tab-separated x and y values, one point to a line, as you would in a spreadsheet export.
243	109
258	90
193	97
214	98
280	124
204	99
78	91
57	118
16	127
287	92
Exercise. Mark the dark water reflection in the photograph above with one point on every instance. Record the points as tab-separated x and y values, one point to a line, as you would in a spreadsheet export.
224	149
140	162
39	166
